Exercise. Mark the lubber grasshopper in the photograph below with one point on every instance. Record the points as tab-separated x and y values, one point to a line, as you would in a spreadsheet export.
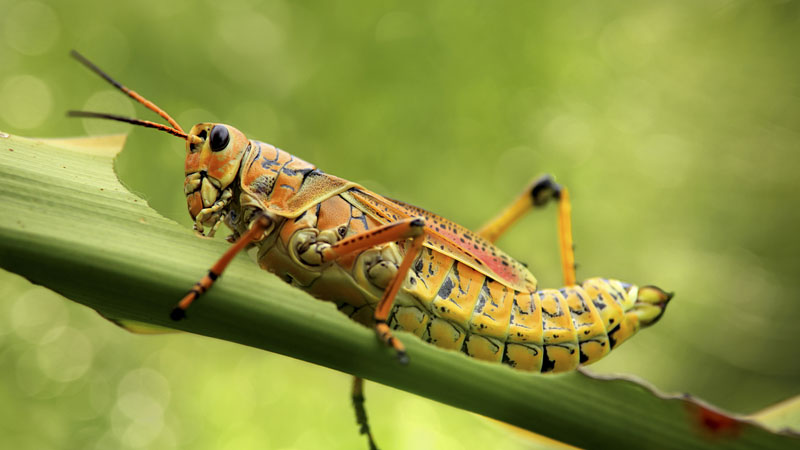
391	265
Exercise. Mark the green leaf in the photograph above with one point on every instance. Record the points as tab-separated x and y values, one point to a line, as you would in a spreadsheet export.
68	224
782	416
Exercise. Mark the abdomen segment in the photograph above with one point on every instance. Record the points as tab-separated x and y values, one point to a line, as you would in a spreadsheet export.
549	330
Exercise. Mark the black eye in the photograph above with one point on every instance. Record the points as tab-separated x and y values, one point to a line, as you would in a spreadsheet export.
219	138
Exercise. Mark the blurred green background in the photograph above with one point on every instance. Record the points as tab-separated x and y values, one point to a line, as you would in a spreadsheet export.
675	125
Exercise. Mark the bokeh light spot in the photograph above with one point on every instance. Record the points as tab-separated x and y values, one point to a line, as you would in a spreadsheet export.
247	33
31	28
147	381
138	419
26	101
628	42
36	312
570	135
108	101
65	355
30	378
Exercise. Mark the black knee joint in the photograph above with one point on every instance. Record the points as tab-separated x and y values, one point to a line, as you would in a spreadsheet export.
544	189
418	222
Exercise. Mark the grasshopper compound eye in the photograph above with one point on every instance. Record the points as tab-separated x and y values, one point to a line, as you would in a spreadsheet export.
219	138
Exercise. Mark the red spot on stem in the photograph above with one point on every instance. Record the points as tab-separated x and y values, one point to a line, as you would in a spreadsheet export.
714	424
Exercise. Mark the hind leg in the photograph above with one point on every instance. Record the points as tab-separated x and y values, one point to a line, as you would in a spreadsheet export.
361	413
537	195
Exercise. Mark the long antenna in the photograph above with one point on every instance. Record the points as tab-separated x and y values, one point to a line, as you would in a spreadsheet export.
130	93
144	123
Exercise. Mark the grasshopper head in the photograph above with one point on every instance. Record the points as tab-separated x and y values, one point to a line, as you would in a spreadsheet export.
214	153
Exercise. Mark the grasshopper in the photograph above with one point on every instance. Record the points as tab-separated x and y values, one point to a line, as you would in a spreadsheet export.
390	265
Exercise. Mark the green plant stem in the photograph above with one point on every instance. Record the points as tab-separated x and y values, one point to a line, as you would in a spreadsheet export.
68	224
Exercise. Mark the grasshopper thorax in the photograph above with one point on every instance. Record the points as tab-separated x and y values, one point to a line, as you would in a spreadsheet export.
214	153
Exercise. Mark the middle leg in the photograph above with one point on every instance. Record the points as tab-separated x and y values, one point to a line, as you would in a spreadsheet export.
404	229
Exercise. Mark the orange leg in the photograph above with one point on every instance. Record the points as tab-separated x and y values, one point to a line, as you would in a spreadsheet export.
538	194
404	229
205	283
565	238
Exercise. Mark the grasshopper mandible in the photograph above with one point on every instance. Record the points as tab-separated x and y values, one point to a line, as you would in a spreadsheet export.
391	265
